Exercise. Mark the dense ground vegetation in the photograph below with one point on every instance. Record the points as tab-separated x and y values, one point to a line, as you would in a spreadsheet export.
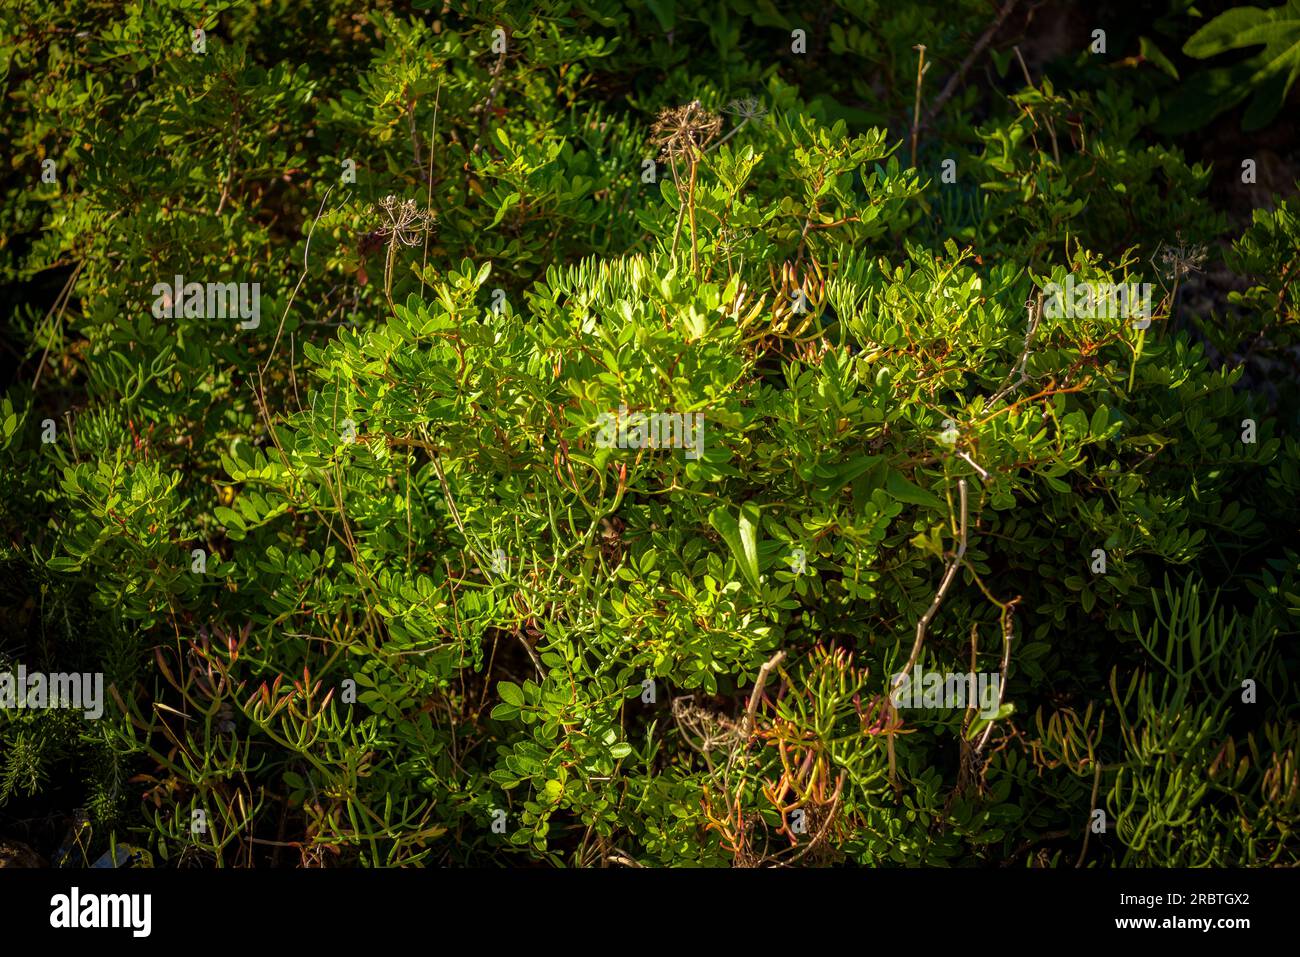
365	584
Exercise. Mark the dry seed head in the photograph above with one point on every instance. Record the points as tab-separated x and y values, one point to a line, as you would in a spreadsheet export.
1184	259
1179	260
684	130
747	108
406	221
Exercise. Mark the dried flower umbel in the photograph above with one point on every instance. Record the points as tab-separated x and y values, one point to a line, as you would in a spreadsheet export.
406	226
1180	260
747	108
406	222
684	131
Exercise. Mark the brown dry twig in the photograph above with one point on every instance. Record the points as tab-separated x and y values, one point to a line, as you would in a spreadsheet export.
985	38
948	576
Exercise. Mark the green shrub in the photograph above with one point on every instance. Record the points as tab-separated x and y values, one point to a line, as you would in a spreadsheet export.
367	583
